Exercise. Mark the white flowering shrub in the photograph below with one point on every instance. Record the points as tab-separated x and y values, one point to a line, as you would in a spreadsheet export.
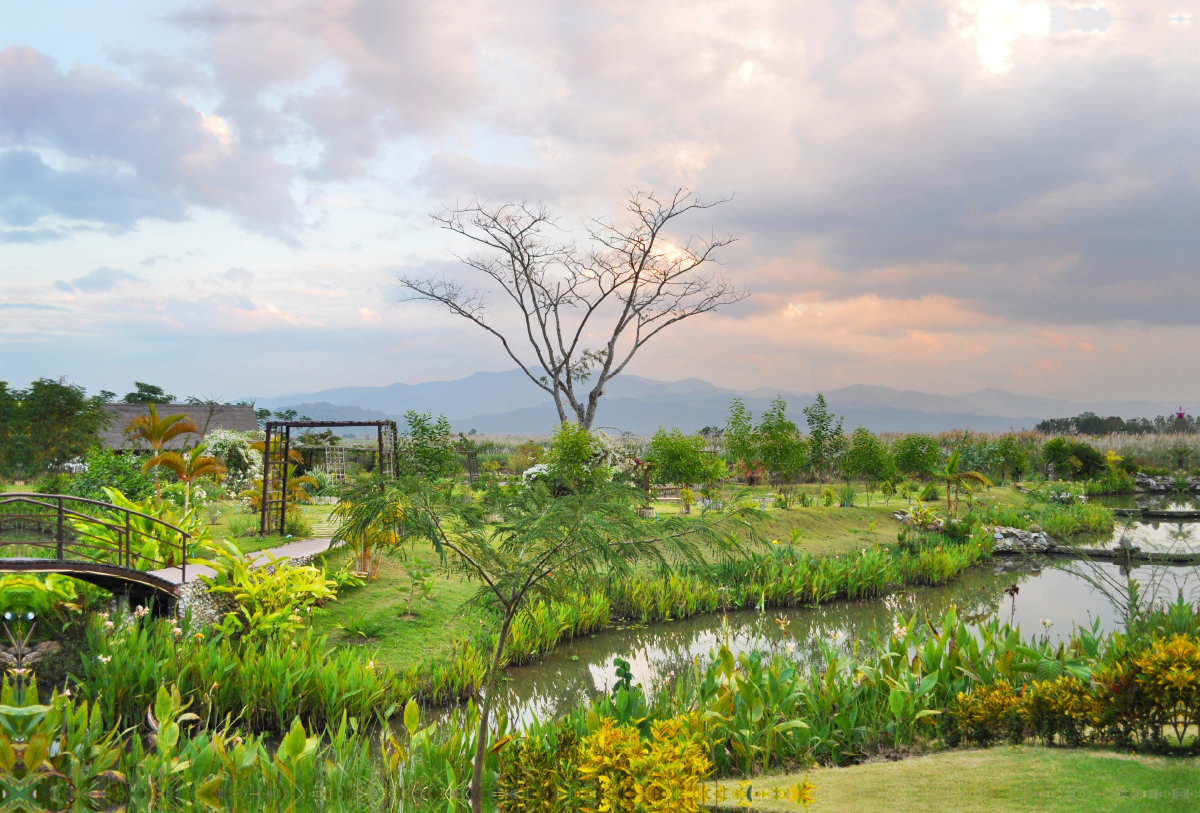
243	464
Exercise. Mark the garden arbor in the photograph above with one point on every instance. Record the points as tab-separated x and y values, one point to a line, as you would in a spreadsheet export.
277	453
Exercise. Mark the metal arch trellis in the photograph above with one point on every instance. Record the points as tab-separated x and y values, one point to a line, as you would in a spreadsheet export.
278	446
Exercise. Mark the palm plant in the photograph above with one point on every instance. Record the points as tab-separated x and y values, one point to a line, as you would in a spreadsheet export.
299	487
959	480
187	467
157	432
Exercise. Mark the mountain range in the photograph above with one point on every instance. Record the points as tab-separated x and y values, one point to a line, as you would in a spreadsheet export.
509	403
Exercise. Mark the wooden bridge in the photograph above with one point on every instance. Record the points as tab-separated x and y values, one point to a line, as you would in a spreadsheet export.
112	547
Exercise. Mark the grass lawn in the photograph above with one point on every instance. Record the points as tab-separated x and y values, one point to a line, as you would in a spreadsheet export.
1026	779
401	642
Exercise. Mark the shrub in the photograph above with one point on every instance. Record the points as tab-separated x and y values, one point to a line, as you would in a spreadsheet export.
59	483
297	524
930	493
107	469
270	601
618	771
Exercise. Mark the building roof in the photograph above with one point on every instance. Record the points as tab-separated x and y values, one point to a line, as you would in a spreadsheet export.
207	417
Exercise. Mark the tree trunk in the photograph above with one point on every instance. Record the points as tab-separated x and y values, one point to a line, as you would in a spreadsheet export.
485	703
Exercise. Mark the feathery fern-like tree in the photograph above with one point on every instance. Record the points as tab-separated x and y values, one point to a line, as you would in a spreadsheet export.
544	546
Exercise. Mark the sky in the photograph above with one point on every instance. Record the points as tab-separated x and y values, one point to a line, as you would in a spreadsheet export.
218	197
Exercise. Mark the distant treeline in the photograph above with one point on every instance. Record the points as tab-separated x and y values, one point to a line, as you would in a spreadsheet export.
1089	423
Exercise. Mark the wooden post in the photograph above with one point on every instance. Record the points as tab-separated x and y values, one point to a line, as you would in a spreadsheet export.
128	543
262	506
379	460
59	535
287	450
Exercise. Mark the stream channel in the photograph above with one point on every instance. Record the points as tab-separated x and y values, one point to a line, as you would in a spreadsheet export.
1055	596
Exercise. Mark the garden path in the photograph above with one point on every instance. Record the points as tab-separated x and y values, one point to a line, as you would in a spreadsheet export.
292	550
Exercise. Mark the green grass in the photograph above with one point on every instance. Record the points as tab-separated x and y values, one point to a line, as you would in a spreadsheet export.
402	642
1027	779
249	544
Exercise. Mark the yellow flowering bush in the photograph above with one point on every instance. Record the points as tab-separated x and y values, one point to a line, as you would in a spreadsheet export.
619	772
1168	675
986	714
1057	708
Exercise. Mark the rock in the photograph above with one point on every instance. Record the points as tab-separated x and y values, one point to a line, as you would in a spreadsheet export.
5	658
48	647
1016	540
1035	528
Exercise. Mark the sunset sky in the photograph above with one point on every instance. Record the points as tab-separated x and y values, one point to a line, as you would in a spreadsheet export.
941	196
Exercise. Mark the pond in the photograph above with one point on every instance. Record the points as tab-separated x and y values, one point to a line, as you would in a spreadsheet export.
1157	534
1064	593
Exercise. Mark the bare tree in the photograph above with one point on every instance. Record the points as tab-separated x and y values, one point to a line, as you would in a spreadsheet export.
625	284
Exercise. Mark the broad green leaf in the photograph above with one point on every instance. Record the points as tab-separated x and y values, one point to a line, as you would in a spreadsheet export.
412	716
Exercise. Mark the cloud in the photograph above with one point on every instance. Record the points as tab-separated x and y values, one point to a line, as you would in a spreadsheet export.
101	280
238	276
86	145
33	306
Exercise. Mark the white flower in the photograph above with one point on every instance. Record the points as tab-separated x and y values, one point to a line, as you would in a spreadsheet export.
534	472
176	631
105	659
108	625
1047	623
791	646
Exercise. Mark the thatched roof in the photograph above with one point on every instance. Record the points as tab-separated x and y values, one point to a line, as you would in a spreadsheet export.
207	417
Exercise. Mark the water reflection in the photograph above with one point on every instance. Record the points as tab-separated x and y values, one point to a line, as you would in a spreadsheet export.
1157	534
1063	593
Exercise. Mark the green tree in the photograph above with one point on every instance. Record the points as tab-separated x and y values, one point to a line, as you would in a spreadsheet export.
917	455
680	458
741	443
147	394
427	448
1014	459
8	428
545	547
867	457
825	439
48	424
782	452
572	461
1073	457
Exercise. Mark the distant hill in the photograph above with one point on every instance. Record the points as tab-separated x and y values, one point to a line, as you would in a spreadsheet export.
509	403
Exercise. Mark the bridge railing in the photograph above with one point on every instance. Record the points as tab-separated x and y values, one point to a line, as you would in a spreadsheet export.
77	529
